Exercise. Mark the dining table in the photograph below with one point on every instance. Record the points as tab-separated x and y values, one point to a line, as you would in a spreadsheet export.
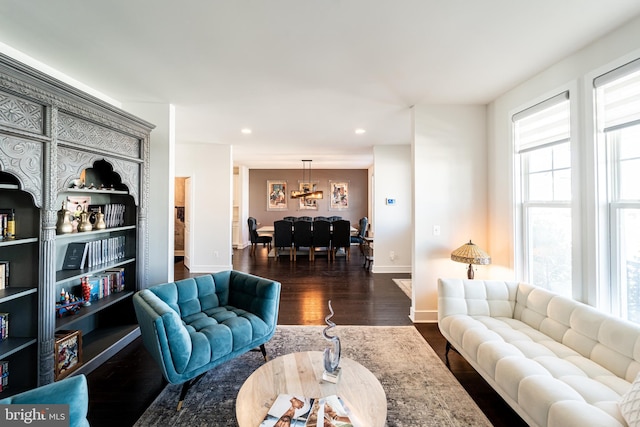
269	229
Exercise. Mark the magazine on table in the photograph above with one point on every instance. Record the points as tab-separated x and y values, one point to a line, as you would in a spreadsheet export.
298	411
288	410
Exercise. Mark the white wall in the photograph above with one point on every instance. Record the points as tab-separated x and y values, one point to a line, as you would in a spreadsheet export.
161	188
575	71
449	191
392	226
210	167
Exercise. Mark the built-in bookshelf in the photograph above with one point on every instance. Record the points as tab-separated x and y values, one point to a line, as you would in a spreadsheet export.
58	144
19	296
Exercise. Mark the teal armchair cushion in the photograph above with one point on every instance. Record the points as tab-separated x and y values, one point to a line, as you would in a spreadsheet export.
193	325
72	391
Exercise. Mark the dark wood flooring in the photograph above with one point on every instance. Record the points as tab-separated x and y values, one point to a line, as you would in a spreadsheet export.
123	387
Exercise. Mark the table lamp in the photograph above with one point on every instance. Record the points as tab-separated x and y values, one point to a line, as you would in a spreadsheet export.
470	254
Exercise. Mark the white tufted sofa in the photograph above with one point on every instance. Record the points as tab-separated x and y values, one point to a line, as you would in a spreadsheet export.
555	361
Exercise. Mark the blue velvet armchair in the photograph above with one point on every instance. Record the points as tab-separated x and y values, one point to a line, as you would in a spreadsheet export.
193	325
72	391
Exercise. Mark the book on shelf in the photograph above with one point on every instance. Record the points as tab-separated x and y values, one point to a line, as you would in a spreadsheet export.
106	250
106	283
117	278
4	274
4	375
302	411
7	229
4	326
76	256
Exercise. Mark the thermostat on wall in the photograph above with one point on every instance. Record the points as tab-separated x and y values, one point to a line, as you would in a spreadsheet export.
391	201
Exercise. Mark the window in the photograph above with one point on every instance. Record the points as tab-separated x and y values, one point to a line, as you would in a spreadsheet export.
618	118
543	156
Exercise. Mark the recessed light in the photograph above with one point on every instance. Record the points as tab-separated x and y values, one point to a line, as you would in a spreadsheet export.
360	131
246	131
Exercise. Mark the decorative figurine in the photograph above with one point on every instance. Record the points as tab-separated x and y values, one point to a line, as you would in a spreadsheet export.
64	225
86	291
100	224
331	354
85	224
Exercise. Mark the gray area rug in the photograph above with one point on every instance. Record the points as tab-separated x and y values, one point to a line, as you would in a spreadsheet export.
420	389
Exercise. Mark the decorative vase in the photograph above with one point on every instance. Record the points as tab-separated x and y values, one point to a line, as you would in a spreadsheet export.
64	226
85	224
100	224
86	291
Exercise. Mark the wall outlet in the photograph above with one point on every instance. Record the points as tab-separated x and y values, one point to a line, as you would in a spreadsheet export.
216	254
436	230
392	255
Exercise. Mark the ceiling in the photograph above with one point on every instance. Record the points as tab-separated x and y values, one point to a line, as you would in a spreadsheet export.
304	74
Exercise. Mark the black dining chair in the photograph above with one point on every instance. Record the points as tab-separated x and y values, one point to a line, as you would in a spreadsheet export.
283	237
321	238
305	218
290	218
334	218
256	239
359	238
302	237
341	237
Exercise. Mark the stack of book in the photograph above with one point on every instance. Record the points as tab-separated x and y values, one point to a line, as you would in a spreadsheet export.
4	326
90	254
113	213
108	282
4	375
4	274
5	228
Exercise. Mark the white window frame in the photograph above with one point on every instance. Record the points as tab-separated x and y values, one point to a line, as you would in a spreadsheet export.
522	204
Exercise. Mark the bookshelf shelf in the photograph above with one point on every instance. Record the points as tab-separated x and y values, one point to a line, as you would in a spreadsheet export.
8	294
93	233
18	241
95	307
67	275
11	346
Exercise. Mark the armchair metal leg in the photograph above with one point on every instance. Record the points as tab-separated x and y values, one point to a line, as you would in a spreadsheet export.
185	389
262	350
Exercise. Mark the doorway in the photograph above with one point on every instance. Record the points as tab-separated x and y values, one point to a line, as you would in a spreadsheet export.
179	218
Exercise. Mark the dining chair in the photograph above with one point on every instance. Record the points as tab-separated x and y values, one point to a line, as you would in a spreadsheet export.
359	238
305	218
321	238
283	237
302	237
290	218
341	237
256	239
334	218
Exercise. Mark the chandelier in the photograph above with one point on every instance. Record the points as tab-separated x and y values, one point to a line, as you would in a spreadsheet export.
308	188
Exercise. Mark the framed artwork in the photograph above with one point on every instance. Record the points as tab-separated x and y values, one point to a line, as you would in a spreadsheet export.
277	195
77	205
68	353
308	203
338	195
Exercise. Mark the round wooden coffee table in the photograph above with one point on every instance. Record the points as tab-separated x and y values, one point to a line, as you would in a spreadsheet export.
301	374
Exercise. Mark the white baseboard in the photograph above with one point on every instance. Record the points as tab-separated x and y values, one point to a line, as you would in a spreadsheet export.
197	269
423	316
390	268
